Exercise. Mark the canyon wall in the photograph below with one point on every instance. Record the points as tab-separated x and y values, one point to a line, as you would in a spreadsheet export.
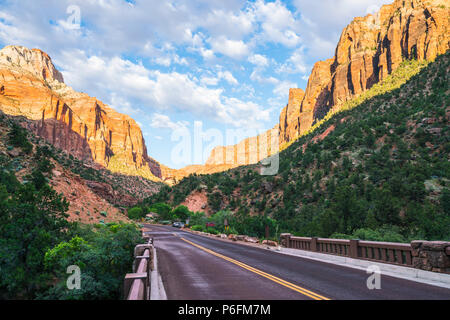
30	86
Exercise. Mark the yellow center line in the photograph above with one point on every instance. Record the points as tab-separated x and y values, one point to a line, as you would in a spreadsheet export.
285	283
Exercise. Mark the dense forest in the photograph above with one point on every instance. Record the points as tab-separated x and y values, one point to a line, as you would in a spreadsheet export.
38	243
381	173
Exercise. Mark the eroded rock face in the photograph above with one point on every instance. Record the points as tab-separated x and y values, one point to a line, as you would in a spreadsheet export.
369	49
289	124
34	61
81	125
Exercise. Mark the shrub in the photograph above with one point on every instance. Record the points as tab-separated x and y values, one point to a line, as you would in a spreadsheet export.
135	213
18	138
211	230
197	227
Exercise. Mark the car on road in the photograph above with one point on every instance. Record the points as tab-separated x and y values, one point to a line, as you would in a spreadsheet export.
178	224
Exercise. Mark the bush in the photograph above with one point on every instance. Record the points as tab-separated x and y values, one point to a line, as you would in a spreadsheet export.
180	213
163	210
135	213
103	252
18	138
197	227
212	230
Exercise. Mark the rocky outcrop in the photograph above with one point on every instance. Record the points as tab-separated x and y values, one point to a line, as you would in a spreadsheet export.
289	124
369	49
34	61
75	122
248	151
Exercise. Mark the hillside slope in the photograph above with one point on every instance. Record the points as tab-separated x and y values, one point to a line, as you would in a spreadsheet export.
380	164
93	193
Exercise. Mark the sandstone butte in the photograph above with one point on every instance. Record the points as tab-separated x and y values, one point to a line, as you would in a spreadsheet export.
369	49
30	86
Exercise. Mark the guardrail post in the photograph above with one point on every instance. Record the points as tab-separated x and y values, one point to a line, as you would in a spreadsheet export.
354	248
314	244
129	278
285	239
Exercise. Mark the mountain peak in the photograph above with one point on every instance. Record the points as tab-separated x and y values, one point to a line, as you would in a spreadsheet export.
35	61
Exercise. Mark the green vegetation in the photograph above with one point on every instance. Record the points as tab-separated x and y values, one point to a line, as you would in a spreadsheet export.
135	213
104	254
381	174
18	137
37	243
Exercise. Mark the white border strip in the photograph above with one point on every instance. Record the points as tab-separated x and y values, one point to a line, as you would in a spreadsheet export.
417	275
157	291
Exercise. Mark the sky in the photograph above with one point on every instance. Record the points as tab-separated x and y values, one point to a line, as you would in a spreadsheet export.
194	66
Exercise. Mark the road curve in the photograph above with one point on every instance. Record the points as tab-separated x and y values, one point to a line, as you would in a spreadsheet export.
194	267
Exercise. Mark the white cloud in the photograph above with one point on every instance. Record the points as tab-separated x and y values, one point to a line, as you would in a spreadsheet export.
161	121
156	90
258	60
256	76
277	23
226	23
209	81
228	76
235	49
296	63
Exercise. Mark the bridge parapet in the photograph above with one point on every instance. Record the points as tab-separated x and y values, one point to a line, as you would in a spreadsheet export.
425	255
137	284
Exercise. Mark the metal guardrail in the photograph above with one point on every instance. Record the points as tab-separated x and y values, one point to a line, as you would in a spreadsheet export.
137	284
385	252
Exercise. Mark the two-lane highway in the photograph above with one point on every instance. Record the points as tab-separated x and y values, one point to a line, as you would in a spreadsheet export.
194	267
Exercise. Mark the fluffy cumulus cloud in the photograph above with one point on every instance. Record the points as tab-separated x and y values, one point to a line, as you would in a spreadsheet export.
277	23
157	90
236	49
162	121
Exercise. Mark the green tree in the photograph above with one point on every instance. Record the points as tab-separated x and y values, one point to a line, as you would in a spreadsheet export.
135	213
31	222
181	213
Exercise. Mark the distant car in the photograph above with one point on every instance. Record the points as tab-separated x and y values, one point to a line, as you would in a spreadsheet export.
178	224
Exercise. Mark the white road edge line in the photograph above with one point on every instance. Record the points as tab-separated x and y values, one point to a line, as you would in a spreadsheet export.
421	276
157	291
401	272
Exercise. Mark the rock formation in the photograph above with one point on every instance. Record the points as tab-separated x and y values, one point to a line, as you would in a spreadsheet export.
369	49
75	122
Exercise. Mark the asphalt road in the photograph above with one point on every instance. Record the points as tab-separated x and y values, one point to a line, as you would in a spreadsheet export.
194	267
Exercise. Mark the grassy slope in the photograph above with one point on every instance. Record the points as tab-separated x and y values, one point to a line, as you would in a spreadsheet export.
384	168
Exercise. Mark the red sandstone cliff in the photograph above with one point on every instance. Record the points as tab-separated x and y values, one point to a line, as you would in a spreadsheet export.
30	86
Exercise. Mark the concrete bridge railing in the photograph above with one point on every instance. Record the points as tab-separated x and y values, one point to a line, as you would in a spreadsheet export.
425	255
137	284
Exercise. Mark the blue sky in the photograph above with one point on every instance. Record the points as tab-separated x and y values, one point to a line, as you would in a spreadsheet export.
168	64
